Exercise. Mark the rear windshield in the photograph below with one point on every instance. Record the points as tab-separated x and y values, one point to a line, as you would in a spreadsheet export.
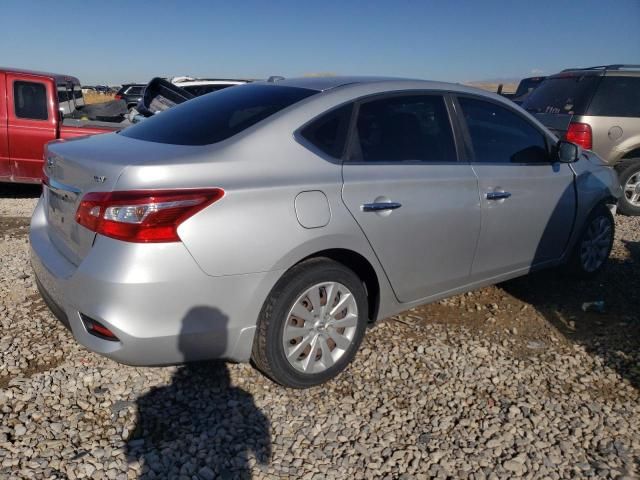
135	90
617	97
213	118
570	95
526	85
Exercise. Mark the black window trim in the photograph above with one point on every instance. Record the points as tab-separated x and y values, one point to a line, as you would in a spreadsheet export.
302	140
445	94
467	136
15	110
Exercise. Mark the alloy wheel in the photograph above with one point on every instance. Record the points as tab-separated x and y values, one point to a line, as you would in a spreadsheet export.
320	327
632	189
596	243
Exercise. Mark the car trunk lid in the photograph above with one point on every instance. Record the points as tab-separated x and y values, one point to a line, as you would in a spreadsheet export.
92	164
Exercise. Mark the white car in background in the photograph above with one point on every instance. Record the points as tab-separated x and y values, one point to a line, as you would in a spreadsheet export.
202	86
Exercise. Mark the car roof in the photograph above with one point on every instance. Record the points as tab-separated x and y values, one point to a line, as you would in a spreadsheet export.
58	77
379	84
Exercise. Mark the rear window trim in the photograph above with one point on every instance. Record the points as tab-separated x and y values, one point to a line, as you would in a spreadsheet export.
302	140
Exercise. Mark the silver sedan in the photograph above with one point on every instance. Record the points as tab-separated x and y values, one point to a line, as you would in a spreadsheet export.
274	221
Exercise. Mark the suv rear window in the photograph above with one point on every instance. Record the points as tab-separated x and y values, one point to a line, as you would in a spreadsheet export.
135	90
570	95
617	97
213	118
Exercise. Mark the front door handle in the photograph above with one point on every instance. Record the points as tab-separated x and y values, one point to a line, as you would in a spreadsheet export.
380	206
497	195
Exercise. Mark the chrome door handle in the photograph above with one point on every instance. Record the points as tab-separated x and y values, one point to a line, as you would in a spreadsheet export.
380	206
497	195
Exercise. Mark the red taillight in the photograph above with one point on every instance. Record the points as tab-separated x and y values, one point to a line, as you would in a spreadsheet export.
118	97
580	133
144	216
96	328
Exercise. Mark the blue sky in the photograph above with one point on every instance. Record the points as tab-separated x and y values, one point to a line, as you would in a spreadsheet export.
118	41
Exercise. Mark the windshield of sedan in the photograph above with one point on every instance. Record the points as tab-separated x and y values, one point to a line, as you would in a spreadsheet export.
216	116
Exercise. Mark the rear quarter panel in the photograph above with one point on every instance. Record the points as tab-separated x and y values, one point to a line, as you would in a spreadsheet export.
613	137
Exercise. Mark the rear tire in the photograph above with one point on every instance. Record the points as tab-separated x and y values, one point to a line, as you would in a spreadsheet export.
311	325
591	251
629	175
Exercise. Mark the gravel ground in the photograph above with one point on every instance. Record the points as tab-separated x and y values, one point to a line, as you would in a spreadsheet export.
508	381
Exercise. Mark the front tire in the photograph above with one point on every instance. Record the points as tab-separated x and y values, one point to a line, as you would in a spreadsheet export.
591	251
311	325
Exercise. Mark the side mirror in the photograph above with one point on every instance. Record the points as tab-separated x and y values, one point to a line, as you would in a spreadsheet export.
567	151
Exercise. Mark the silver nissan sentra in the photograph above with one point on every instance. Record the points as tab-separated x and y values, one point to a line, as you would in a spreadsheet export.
274	221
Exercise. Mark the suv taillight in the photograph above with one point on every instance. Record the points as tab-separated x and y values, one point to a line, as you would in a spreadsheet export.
143	216
580	133
118	96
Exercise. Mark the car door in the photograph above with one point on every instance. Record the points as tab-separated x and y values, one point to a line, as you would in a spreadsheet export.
416	203
31	124
528	198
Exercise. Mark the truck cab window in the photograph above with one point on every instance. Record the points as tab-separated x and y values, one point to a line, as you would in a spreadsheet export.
30	100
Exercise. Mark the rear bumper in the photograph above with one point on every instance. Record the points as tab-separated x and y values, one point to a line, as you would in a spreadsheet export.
154	297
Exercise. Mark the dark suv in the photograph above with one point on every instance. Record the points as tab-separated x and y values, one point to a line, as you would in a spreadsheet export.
599	109
130	93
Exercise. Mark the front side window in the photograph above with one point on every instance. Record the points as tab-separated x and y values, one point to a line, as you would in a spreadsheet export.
30	100
404	128
213	118
617	97
329	132
499	135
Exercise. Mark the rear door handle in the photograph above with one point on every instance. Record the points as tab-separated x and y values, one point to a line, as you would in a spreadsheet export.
380	206
497	195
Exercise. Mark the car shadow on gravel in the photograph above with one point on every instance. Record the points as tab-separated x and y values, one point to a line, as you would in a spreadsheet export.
17	190
613	334
199	425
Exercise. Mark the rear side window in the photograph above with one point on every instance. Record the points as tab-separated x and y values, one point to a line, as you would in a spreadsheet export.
617	97
213	118
569	95
30	100
404	128
499	135
329	132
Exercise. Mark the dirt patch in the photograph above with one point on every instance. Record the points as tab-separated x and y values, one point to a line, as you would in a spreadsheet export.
14	226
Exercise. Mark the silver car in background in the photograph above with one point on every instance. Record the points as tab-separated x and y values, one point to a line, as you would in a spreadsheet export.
274	221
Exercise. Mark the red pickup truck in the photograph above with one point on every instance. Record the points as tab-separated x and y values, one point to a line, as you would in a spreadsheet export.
32	113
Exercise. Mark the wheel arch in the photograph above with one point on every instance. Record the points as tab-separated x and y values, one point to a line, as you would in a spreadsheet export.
361	267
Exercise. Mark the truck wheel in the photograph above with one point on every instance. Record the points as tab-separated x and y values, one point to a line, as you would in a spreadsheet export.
591	251
629	175
311	325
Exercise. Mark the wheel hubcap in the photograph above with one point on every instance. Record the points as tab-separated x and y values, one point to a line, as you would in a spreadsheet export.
320	327
632	189
594	249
